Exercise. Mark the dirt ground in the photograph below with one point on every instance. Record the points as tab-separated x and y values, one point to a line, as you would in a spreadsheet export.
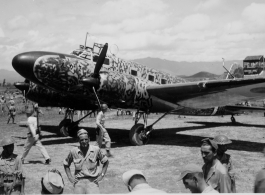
174	143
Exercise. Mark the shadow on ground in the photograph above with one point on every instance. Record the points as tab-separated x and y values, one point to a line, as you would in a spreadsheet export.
167	136
218	124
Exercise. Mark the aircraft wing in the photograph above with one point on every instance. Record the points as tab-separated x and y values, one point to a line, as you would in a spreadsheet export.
245	108
210	93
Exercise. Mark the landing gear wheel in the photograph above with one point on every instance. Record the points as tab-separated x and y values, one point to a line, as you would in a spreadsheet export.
233	120
64	128
137	135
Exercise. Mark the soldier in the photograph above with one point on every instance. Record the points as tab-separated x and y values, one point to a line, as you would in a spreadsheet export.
215	174
11	173
224	158
33	137
11	112
136	183
52	182
2	103
11	101
87	159
193	179
101	132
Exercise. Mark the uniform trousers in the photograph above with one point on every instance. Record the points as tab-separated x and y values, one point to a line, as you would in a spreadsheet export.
15	191
86	186
29	143
100	135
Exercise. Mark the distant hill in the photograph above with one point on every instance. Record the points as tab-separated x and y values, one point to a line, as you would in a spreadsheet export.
186	68
10	76
203	75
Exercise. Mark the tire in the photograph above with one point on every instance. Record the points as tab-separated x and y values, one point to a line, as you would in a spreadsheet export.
135	137
63	128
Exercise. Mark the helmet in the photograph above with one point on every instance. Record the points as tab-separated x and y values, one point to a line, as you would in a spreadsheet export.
7	141
104	106
222	140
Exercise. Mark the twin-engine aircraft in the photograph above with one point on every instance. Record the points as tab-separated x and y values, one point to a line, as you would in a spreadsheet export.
95	77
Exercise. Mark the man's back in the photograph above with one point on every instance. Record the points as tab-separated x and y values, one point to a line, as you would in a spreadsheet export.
145	188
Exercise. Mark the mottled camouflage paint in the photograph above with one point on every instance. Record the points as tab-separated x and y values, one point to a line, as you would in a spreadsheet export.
123	66
61	72
47	97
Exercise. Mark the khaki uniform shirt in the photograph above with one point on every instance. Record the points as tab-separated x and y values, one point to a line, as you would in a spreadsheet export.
217	177
90	166
12	110
11	165
144	188
101	118
210	189
226	161
32	124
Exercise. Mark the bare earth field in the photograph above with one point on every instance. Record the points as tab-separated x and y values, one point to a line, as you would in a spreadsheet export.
174	143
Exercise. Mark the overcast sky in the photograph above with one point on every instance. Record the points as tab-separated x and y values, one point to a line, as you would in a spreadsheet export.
178	30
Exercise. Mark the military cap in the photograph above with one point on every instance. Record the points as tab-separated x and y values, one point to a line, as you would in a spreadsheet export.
222	140
190	168
7	141
104	106
81	132
211	142
128	175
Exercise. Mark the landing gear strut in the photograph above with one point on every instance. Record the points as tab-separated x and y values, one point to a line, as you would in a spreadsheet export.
233	120
140	133
67	126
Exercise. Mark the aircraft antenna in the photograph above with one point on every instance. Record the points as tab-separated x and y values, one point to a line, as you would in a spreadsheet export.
226	69
86	39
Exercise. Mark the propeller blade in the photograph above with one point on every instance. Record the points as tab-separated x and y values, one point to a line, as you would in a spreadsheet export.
100	60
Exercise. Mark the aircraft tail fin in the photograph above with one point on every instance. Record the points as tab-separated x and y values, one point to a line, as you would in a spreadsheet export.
235	71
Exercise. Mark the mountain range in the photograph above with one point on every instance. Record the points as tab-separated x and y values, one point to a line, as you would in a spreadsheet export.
183	69
187	68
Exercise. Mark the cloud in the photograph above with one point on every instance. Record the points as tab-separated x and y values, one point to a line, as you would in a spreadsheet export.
118	10
18	22
2	34
254	16
21	21
209	4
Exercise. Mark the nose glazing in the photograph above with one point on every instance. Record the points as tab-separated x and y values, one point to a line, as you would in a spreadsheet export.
23	63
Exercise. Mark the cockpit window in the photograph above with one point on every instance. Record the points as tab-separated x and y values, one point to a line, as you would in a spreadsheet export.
97	48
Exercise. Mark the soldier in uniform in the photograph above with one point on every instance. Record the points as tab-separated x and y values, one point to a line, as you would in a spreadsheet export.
87	159
225	158
11	173
101	132
215	174
12	112
33	137
2	103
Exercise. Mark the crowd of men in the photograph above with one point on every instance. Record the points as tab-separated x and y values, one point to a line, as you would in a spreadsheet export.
91	164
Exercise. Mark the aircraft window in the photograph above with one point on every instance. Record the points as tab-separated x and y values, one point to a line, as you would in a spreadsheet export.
97	48
134	72
151	78
163	81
